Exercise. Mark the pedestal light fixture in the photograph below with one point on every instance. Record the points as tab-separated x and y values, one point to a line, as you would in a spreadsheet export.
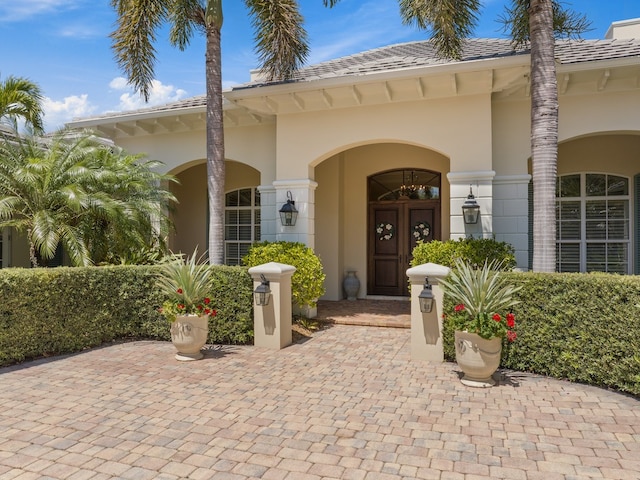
470	209
262	293
426	297
288	212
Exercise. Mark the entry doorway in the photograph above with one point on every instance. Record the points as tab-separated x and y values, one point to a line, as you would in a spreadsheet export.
404	208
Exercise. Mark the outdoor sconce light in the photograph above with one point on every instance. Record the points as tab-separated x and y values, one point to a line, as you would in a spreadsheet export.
262	293
288	212
470	209
426	297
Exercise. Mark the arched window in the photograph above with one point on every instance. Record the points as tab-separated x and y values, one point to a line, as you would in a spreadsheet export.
241	223
593	223
414	184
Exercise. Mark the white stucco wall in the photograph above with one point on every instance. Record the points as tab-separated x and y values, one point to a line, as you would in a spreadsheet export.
459	128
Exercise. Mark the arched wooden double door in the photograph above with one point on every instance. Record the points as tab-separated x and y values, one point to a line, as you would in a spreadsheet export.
398	220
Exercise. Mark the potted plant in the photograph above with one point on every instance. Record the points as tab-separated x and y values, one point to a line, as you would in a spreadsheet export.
185	284
482	318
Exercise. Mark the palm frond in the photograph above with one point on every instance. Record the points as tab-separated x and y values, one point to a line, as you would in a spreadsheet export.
21	98
281	40
449	21
137	26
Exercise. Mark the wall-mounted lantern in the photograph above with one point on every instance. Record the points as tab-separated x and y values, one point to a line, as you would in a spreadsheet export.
262	293
288	212
426	297
470	209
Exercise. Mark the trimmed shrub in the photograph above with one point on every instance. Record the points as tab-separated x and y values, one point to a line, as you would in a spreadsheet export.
474	251
307	282
580	327
54	311
233	301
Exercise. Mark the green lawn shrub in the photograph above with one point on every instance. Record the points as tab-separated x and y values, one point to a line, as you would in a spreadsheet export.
475	251
580	327
47	312
307	282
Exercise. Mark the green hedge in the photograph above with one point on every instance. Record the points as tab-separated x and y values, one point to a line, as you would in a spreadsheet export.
62	310
475	251
580	327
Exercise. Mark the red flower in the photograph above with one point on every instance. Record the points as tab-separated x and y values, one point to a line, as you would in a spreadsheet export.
213	313
207	301
459	307
511	320
179	291
511	335
180	306
207	311
496	317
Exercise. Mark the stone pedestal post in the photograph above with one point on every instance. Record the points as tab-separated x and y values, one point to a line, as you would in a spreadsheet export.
272	322
426	328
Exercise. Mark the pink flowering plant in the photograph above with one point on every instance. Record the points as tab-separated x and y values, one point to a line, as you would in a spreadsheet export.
185	284
483	301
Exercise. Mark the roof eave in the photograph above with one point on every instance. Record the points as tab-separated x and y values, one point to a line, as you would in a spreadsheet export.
403	73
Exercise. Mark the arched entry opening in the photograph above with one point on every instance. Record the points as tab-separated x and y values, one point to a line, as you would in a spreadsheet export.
403	209
191	214
597	200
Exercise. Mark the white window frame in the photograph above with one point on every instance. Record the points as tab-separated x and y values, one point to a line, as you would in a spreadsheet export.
255	223
583	199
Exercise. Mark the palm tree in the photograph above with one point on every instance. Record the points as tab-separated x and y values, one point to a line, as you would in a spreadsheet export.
139	225
21	99
536	22
42	194
75	192
539	22
281	44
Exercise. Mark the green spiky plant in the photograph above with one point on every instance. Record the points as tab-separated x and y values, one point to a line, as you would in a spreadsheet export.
185	283
482	296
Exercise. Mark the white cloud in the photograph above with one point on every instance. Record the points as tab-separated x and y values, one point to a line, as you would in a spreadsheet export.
81	31
57	113
158	94
119	83
20	10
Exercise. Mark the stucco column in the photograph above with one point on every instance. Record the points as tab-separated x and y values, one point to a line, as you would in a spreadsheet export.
272	322
511	214
481	183
426	328
268	213
303	193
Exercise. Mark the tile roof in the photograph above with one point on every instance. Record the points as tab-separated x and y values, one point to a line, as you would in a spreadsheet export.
421	54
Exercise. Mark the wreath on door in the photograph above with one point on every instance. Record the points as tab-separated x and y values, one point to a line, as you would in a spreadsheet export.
421	231
385	231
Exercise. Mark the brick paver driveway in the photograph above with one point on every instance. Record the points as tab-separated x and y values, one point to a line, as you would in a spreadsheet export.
347	404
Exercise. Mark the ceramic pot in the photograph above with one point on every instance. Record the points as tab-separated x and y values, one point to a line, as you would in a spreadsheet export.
188	335
351	285
478	358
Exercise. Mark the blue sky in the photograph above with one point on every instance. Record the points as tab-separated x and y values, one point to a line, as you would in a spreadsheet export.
64	46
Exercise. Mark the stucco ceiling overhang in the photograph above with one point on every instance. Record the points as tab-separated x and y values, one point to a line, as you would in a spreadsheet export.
408	84
502	78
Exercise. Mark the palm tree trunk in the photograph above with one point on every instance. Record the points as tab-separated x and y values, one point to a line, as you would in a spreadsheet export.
32	251
544	134
215	147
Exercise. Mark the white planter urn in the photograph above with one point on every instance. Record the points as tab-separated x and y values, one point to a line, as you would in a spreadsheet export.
478	358
188	335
